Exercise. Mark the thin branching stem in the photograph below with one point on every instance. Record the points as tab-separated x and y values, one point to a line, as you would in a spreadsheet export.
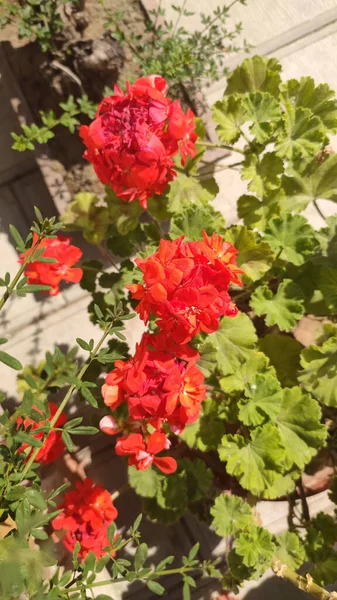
11	288
71	390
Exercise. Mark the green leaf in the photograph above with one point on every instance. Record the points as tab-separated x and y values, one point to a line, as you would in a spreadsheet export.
255	74
10	361
230	515
244	376
319	99
257	213
193	220
185	191
36	288
255	257
255	546
36	499
284	354
264	112
228	347
186	591
262	400
155	587
17	238
144	482
283	309
124	215
319	375
258	463
198	478
293	237
303	134
229	115
298	423
84	430
315	181
68	441
290	550
140	556
263	174
206	433
327	284
157	207
88	396
172	491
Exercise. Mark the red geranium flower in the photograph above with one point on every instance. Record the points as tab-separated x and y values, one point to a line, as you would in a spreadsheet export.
134	136
52	274
156	384
142	454
186	286
86	515
53	446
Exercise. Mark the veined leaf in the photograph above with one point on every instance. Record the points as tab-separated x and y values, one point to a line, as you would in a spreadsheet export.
284	308
255	74
303	134
327	284
256	547
193	220
293	237
284	354
258	463
228	347
320	99
319	374
185	191
244	376
264	174
230	514
262	400
144	482
264	111
290	550
257	213
229	115
316	181
255	257
298	423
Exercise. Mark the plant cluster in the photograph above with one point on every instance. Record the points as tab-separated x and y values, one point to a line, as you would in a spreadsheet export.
35	20
221	404
185	58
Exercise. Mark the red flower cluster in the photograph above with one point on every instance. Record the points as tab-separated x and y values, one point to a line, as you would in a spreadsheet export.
86	515
53	446
142	454
186	286
159	386
52	274
134	136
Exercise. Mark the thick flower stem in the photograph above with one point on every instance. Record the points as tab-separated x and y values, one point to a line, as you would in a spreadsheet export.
221	146
153	577
306	584
70	392
12	286
319	210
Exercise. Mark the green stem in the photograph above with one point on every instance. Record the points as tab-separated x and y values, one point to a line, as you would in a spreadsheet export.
70	392
12	286
120	491
155	575
182	8
222	146
306	584
216	18
318	210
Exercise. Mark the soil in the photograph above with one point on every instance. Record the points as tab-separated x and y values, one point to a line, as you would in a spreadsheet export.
92	60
